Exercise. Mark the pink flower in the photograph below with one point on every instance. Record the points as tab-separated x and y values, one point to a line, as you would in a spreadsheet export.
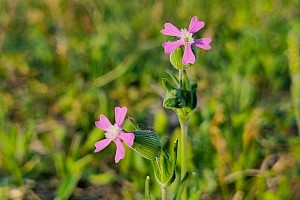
186	39
114	133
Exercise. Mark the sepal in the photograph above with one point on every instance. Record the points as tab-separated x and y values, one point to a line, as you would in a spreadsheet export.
176	59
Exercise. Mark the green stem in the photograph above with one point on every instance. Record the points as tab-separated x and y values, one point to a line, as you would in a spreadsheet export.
147	188
180	78
183	120
294	66
164	193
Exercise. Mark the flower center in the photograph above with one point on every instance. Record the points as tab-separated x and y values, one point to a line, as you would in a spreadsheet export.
113	132
186	36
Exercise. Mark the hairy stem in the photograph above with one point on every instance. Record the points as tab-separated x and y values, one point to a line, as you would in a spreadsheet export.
164	193
183	120
147	188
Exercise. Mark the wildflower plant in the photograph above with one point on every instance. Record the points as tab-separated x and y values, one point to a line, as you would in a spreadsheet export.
180	96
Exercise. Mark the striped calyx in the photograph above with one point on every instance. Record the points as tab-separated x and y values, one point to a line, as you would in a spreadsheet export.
147	144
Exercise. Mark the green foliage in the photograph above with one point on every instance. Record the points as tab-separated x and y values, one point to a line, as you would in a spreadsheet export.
63	63
181	186
17	159
70	168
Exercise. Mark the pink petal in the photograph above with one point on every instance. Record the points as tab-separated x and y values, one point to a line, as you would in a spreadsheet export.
102	144
120	153
104	123
188	55
195	25
171	30
171	46
120	114
203	43
128	138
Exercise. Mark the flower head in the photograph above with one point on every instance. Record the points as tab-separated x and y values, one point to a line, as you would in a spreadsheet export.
114	133
186	39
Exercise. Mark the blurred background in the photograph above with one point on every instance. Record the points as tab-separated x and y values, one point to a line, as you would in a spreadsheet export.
65	62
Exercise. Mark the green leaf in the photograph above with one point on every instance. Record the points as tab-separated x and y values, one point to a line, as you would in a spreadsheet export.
165	168
67	186
169	87
103	178
174	78
181	186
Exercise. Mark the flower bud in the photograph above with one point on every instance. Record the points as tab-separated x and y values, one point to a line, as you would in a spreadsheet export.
175	99
147	144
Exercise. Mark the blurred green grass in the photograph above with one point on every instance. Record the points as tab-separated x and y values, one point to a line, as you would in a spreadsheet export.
63	63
